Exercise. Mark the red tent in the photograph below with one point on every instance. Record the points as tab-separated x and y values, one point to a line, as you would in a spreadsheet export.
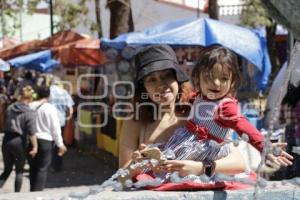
19	50
58	39
82	52
68	47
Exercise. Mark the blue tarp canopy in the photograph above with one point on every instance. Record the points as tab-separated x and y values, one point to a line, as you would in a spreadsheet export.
41	61
4	66
203	32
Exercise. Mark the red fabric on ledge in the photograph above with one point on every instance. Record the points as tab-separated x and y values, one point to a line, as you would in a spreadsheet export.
188	186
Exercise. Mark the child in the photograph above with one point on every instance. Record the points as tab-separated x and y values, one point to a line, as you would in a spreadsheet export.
215	111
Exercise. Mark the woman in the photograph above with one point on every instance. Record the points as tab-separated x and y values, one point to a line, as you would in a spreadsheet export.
48	130
160	85
19	123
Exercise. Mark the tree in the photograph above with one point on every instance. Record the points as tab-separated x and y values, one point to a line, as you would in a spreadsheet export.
286	13
120	17
255	15
97	26
9	12
213	9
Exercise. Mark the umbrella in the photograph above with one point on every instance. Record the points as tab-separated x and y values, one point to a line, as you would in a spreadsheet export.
4	66
41	61
202	32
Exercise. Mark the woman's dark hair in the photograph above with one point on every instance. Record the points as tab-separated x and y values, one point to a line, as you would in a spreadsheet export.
212	57
146	114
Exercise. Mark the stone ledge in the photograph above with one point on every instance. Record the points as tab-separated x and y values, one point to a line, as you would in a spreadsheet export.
286	192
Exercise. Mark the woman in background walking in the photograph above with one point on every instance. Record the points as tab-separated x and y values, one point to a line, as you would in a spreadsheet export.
19	123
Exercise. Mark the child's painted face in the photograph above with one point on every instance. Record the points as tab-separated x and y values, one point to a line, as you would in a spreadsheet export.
216	83
162	87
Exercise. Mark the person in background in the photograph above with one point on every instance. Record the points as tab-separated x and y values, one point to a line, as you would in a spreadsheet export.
12	88
19	124
28	79
297	133
64	103
288	119
4	102
297	112
48	130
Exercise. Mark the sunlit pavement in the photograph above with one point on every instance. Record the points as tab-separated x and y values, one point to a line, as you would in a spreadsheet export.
81	169
85	170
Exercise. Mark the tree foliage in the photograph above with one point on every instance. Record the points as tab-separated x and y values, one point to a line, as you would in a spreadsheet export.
71	14
254	14
9	12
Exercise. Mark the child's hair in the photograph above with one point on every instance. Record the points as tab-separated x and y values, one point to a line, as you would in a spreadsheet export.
213	57
26	93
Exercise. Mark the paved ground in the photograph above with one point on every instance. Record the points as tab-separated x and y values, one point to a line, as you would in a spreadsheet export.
286	192
80	169
86	169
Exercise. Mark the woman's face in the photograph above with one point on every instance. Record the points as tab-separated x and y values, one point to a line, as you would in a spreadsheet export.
217	84
162	87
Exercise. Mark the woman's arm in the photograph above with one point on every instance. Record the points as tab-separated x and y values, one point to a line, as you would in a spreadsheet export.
232	164
129	141
229	165
33	141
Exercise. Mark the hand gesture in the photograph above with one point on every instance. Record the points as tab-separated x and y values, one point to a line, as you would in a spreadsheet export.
279	157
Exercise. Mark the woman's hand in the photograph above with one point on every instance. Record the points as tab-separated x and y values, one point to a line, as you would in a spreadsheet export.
279	157
137	154
184	167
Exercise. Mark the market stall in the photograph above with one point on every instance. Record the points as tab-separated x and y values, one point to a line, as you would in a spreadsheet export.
76	59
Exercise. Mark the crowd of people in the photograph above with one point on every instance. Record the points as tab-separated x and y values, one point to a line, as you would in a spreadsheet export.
34	115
